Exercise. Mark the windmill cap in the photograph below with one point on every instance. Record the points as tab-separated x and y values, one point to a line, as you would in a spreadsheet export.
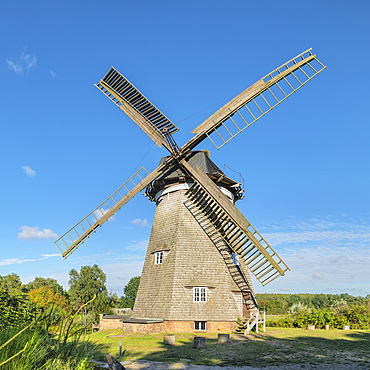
199	158
202	159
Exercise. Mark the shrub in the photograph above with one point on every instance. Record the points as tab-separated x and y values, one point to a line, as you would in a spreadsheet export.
357	317
283	323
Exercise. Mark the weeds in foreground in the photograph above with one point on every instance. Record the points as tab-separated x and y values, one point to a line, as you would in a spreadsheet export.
34	347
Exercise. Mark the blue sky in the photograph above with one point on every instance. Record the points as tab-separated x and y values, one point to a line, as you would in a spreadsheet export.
65	147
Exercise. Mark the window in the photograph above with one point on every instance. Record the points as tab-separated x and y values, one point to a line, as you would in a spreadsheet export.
158	258
236	259
200	325
199	294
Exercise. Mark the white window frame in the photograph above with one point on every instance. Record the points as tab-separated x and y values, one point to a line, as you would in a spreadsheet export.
198	325
158	258
199	294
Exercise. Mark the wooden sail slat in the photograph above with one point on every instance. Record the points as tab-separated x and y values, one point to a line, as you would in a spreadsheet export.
137	107
206	196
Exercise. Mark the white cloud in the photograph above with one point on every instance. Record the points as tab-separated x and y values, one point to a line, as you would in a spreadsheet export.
45	256
138	221
325	255
30	61
138	245
29	233
25	61
17	260
53	73
16	67
28	171
320	231
100	212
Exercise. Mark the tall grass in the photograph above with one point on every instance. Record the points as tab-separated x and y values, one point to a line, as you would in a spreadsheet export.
26	351
34	347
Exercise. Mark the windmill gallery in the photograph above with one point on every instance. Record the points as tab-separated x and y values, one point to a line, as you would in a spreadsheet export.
196	275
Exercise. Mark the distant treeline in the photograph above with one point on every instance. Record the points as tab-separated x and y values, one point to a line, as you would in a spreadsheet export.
279	304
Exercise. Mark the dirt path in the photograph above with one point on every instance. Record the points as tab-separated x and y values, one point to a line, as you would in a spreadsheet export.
150	365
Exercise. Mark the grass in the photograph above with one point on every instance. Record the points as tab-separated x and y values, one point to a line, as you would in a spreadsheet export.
275	347
33	347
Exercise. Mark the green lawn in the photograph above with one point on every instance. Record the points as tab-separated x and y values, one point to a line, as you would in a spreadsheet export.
275	347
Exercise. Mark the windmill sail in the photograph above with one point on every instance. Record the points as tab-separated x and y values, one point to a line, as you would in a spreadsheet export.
131	101
234	228
257	100
79	233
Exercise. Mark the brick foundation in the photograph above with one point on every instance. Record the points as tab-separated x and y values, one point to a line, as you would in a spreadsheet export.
154	328
166	326
109	324
188	327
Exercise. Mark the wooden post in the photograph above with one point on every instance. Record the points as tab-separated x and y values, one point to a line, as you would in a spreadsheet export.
311	327
326	327
199	342
258	317
169	339
113	363
223	338
264	321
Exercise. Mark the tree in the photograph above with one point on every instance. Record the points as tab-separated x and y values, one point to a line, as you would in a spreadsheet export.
84	285
130	290
115	301
39	281
12	283
46	297
320	301
13	300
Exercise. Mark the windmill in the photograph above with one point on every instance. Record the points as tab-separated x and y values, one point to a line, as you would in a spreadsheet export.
202	249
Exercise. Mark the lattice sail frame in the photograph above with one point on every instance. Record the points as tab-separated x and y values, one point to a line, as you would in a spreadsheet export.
246	242
271	90
78	234
143	112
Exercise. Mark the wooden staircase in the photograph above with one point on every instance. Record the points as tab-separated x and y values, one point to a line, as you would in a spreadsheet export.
246	324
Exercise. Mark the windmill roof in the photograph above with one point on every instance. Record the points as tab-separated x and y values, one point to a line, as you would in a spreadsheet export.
196	158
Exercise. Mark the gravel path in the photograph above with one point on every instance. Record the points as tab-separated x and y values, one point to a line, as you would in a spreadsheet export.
150	365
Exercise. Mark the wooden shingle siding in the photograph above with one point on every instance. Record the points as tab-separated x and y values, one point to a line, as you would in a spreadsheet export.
193	260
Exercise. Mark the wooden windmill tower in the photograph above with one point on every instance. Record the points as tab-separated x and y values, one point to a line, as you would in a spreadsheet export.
201	252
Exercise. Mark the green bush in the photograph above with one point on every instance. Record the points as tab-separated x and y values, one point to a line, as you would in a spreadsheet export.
357	317
282	323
